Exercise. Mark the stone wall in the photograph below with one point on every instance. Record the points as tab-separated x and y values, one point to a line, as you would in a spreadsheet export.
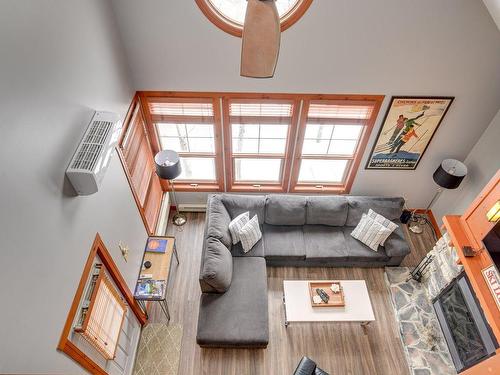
421	335
443	269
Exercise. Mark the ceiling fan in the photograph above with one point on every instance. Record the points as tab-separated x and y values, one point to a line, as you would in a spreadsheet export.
261	39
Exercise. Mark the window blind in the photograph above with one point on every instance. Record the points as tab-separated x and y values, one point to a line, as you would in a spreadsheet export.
137	159
181	108
340	111
104	318
261	109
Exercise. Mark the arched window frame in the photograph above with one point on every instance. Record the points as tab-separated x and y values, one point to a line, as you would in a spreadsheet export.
235	29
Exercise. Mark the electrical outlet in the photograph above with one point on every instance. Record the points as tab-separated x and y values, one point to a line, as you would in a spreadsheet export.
124	250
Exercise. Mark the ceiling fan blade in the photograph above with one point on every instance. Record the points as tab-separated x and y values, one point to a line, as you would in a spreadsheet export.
261	39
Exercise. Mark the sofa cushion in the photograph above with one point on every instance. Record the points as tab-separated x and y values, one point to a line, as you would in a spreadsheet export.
325	243
396	244
218	220
237	204
284	241
285	210
217	265
359	252
390	208
328	210
239	317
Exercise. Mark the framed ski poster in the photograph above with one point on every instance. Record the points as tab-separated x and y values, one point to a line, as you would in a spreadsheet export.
407	130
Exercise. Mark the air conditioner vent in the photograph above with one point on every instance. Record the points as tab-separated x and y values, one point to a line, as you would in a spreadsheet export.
92	144
91	159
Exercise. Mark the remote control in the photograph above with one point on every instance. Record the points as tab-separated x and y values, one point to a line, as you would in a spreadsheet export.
323	295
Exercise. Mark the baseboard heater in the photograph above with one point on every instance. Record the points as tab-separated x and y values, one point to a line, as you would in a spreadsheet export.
193	207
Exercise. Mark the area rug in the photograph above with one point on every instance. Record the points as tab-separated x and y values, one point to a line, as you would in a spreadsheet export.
421	336
159	350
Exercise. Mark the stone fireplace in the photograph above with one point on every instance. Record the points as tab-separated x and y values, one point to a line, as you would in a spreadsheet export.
468	335
457	296
421	335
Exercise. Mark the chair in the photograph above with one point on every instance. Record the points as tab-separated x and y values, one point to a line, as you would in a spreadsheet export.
308	367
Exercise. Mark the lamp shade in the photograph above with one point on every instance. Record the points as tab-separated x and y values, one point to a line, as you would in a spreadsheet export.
168	165
450	173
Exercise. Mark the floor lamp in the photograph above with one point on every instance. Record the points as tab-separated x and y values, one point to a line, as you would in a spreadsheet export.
168	167
448	175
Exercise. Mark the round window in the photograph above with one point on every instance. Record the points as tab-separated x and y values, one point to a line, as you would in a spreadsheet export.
229	15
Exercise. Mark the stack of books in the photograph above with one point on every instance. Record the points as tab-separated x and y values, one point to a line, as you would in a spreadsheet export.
150	289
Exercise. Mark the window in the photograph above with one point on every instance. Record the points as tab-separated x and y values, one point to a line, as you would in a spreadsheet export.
234	10
71	342
100	323
259	133
329	143
136	155
262	142
229	15
188	127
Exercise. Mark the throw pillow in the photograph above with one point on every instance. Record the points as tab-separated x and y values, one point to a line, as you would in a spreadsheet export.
250	234
370	232
218	266
382	220
236	224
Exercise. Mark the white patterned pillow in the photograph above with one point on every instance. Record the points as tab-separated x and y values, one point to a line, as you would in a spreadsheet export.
382	220
370	232
250	234
236	224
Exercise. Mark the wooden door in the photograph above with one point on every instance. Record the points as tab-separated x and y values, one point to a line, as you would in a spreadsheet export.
137	159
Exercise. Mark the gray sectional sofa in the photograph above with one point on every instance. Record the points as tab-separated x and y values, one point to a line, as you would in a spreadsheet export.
300	231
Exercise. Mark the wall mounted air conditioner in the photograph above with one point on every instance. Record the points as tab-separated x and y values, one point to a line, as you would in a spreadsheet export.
92	157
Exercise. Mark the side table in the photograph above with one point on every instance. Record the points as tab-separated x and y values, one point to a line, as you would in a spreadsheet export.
159	251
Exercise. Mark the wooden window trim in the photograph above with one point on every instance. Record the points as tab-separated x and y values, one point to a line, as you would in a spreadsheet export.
355	160
299	119
135	105
187	97
264	186
65	345
202	183
102	279
235	29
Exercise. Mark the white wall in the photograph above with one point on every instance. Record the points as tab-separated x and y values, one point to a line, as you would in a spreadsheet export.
391	47
59	61
482	163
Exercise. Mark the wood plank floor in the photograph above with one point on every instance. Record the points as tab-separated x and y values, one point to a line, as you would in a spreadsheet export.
339	348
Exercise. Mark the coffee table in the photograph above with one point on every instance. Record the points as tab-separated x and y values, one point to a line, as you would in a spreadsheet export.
297	302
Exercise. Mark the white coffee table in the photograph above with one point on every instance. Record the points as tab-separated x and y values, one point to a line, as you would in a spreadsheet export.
297	301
